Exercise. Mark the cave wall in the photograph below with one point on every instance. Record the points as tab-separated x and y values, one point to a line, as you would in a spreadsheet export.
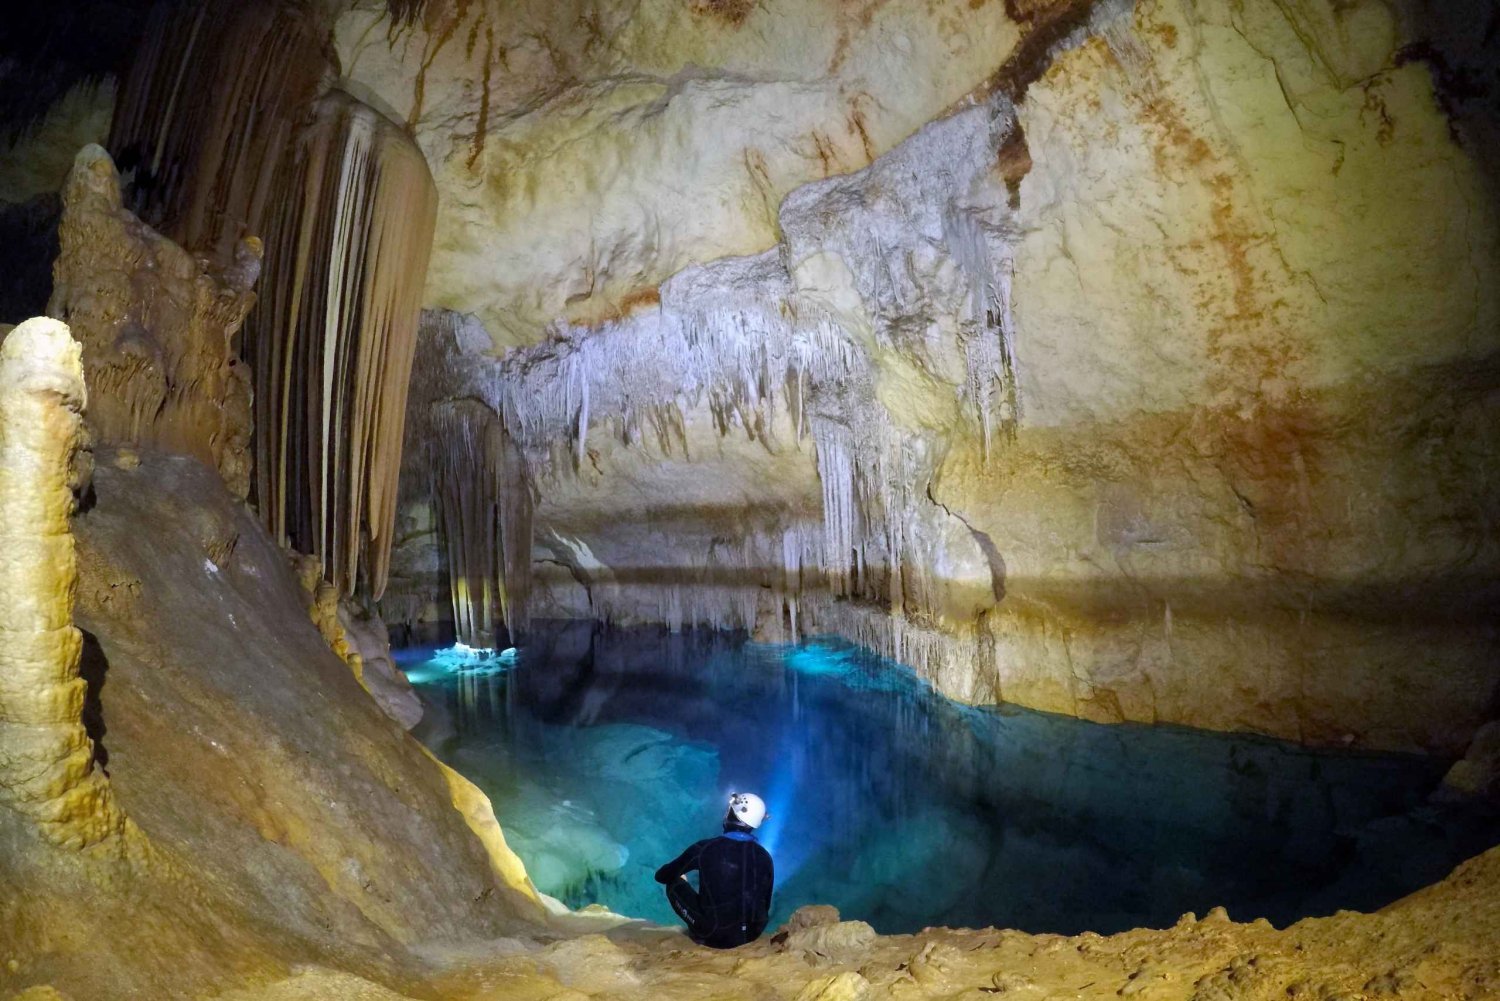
1155	381
1256	347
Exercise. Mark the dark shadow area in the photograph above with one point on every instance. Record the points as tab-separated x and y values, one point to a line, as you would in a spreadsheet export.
28	246
92	668
1459	42
47	49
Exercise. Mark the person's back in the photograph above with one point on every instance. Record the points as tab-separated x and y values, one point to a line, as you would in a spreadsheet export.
735	875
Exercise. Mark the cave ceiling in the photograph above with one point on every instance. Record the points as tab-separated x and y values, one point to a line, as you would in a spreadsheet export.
587	151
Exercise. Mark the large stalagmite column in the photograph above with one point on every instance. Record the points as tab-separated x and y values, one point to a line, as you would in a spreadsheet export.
46	758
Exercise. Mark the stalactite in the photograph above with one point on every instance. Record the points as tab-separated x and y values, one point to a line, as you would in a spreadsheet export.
461	484
208	111
222	125
333	340
707	341
47	768
484	505
836	471
735	340
460	461
989	335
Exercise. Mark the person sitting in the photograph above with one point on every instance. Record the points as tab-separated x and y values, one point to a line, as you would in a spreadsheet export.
733	900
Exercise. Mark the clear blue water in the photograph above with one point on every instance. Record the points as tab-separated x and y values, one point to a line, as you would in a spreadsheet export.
607	752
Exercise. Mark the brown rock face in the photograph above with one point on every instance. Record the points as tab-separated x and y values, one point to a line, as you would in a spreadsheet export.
156	325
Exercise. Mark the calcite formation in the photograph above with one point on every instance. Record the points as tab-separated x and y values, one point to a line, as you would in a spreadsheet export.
378	674
289	819
588	151
460	460
1436	945
157	327
208	112
1153	382
360	641
232	127
333	339
47	764
37	163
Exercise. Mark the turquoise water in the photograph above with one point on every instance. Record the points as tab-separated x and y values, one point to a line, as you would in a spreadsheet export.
607	752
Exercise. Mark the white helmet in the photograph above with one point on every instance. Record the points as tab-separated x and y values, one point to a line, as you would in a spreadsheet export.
748	808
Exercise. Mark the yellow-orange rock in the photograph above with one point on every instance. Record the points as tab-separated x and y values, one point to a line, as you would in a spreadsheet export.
47	768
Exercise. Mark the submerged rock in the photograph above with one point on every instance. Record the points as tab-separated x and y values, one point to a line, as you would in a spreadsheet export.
1476	777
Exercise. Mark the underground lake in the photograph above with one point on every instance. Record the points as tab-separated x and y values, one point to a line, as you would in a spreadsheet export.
607	751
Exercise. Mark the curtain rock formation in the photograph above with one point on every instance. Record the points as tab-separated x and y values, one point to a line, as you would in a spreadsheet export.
463	469
332	341
229	128
207	112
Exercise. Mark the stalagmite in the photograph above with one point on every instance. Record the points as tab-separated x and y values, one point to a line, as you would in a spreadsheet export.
47	767
156	325
332	342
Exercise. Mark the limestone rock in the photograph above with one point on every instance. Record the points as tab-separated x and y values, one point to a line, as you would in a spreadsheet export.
811	916
38	163
586	152
370	641
816	933
846	986
156	327
361	641
47	765
1477	775
289	820
1070	399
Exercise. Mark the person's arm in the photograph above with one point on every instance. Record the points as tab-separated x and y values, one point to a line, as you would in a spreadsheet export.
765	880
681	865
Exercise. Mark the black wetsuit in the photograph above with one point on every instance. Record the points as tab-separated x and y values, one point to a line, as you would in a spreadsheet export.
733	899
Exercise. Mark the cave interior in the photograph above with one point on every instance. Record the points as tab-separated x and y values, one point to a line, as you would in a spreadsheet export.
1048	449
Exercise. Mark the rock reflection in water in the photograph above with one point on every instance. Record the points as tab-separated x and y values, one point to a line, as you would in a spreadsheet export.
607	751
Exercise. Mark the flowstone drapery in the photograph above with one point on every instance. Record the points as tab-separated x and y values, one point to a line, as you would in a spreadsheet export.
331	343
229	128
